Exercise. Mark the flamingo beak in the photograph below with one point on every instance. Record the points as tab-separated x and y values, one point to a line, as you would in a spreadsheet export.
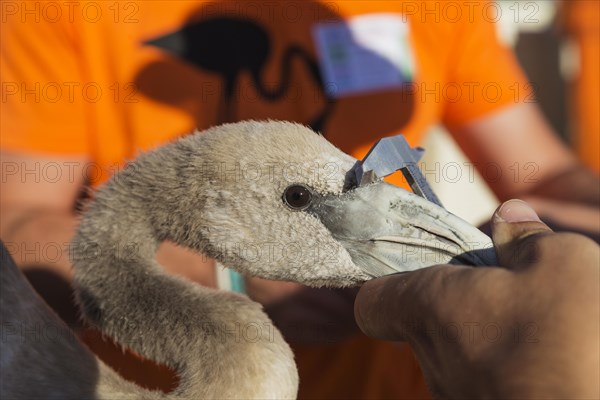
386	230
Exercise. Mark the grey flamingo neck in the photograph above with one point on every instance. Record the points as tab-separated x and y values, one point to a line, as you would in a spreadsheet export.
124	291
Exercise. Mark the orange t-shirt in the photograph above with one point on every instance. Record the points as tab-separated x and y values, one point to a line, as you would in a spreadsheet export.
109	79
106	80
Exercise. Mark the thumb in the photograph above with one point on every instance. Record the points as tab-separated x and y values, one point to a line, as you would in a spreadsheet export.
514	224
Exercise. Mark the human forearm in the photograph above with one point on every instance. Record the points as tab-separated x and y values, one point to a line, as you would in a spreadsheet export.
571	216
39	238
570	199
519	154
575	184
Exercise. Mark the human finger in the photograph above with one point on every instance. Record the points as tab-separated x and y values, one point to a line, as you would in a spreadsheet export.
514	225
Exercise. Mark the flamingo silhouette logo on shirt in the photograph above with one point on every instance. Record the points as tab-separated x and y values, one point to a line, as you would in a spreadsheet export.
229	46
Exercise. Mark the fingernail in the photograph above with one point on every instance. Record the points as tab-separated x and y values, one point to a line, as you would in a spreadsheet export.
516	211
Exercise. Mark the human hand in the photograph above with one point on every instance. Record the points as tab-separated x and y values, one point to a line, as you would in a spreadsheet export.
528	329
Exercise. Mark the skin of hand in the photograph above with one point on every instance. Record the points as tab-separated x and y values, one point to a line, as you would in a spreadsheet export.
527	329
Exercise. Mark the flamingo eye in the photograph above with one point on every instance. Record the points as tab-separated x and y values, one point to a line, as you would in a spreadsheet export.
297	197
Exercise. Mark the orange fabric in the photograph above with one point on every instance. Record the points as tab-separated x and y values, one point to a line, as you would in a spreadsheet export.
363	368
78	85
583	22
86	83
